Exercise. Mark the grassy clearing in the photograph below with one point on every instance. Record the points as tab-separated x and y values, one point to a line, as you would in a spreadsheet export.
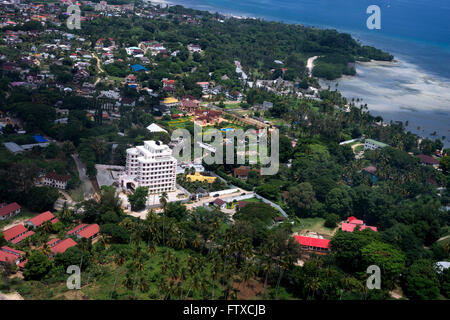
312	224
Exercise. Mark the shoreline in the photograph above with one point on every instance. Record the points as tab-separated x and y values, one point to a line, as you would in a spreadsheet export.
389	89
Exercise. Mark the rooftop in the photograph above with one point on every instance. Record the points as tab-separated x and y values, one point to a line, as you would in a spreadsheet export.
313	242
14	232
41	218
89	231
6	210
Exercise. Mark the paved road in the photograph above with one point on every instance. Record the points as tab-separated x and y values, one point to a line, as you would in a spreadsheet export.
86	184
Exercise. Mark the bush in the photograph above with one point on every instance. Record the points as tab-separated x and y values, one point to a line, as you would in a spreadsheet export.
331	221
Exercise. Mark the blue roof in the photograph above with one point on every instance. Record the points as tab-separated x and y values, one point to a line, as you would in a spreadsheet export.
138	67
40	139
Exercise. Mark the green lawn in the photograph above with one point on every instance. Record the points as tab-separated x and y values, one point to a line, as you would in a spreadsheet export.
313	224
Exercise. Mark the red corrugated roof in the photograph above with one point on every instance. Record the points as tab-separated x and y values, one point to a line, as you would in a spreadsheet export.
13	251
53	242
22	264
26	235
313	242
357	221
41	218
8	257
350	219
13	232
62	246
89	231
6	210
76	229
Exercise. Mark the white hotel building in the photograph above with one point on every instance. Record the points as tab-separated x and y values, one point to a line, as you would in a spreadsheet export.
151	165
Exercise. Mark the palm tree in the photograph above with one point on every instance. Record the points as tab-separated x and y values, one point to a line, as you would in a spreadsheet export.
46	250
163	200
248	272
267	268
66	213
119	260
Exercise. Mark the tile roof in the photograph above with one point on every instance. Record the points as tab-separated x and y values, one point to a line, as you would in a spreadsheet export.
25	235
219	202
14	232
6	210
41	218
12	251
427	159
63	245
76	229
89	231
57	177
8	257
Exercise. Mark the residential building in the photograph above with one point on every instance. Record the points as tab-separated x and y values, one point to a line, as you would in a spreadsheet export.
371	144
189	105
243	171
428	160
219	203
163	109
151	165
354	223
9	210
170	102
53	179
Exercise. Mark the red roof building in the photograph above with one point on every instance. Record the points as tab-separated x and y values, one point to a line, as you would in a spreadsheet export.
53	242
6	257
427	160
63	245
90	232
9	210
23	236
353	222
219	203
313	244
40	219
350	227
12	251
14	232
22	264
10	255
76	230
